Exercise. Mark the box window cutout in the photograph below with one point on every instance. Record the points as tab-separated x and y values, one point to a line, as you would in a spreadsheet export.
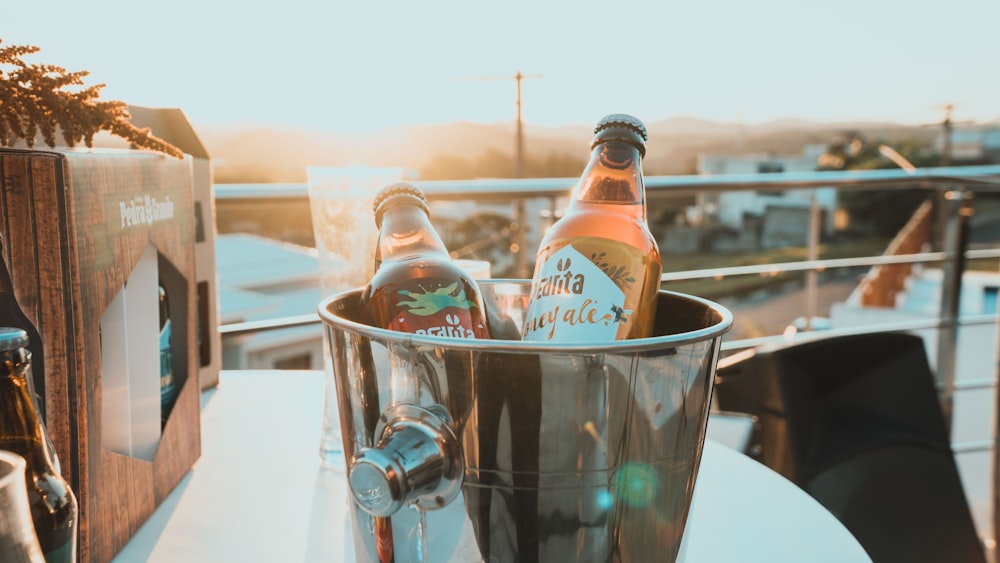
141	357
204	331
175	340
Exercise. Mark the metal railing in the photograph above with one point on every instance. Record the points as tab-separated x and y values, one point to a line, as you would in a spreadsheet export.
961	182
954	190
955	187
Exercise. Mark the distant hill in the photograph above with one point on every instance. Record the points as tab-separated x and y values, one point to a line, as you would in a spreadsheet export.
266	154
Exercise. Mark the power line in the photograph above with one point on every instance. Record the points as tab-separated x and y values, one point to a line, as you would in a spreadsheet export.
947	125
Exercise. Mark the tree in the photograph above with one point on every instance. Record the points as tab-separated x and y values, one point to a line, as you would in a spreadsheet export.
484	236
883	212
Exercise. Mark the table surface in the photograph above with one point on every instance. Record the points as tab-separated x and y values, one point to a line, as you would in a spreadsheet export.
258	492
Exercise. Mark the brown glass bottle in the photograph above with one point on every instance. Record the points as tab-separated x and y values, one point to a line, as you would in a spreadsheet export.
53	504
168	391
597	271
12	315
417	287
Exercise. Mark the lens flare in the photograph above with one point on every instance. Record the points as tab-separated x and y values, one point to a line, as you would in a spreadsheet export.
605	500
636	485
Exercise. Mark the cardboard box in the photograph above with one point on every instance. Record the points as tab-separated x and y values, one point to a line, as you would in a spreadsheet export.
88	235
171	125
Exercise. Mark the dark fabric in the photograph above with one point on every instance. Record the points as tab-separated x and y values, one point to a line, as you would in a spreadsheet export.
856	421
902	503
850	394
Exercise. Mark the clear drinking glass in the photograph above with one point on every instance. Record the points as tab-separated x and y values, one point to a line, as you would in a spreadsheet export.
340	199
18	542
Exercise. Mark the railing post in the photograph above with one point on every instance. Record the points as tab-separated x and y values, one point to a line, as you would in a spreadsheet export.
958	210
995	514
520	255
812	253
553	215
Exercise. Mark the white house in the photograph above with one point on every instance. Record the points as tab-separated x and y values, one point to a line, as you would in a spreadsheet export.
973	143
790	209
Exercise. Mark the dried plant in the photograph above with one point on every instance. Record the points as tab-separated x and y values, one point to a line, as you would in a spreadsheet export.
46	99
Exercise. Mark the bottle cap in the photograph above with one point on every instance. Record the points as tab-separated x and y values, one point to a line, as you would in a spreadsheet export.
621	127
13	338
398	193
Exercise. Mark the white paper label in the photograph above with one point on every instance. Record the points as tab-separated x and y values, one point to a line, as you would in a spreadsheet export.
574	301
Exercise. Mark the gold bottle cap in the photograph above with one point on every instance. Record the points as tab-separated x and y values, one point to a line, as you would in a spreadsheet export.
398	193
621	127
13	338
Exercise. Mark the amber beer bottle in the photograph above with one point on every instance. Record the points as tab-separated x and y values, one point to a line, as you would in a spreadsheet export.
598	268
12	315
417	287
52	502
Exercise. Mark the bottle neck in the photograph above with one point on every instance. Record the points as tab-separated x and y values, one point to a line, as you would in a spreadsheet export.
21	427
613	176
407	233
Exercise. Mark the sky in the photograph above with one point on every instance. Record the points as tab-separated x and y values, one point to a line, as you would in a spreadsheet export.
367	66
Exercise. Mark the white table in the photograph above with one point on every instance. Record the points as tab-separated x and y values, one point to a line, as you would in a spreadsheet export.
258	494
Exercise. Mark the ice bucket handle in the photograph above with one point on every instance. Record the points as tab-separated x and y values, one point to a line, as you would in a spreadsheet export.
418	460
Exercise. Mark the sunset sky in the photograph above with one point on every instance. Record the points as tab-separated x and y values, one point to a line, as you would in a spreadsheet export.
350	66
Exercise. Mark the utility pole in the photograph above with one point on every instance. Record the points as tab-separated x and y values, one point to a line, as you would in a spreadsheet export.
946	129
519	133
517	244
941	216
519	166
521	256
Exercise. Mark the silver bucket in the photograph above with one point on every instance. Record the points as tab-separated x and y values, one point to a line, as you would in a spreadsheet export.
502	450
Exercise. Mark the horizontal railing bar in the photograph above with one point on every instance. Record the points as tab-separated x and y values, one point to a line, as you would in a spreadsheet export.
984	178
821	265
245	327
971	446
913	324
974	384
983	253
978	178
818	265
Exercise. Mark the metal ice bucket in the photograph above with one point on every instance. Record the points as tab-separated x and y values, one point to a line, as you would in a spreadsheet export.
502	450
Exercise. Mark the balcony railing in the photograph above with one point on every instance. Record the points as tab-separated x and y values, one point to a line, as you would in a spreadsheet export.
953	190
956	188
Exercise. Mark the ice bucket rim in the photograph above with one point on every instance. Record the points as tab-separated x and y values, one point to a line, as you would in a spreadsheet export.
715	330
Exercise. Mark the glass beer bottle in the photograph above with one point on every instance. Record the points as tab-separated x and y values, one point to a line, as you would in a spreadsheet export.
53	505
168	391
598	268
417	287
12	315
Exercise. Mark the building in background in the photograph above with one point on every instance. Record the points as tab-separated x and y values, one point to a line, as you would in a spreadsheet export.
260	279
973	144
753	220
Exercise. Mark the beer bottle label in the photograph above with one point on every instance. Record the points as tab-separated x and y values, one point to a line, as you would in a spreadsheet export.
443	310
583	291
